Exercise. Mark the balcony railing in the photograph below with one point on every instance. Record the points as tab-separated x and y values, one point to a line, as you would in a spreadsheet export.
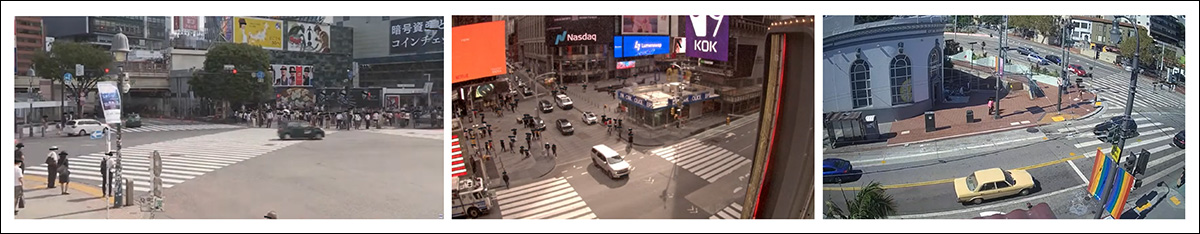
147	67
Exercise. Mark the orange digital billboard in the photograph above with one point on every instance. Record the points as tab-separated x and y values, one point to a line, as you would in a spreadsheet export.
478	51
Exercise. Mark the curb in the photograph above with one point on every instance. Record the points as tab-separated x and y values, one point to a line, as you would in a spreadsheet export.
969	134
87	189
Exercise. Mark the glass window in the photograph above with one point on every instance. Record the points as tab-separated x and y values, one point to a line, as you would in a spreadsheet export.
901	76
935	67
860	83
987	186
386	18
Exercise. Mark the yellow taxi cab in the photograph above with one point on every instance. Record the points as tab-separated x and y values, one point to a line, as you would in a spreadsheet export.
991	184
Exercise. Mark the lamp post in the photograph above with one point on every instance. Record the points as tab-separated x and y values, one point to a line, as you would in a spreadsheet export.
1000	66
120	51
537	96
429	98
1120	144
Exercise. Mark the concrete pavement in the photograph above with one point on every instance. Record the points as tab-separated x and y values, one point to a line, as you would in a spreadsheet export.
83	202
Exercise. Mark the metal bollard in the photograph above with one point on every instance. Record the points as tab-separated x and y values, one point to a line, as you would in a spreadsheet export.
128	190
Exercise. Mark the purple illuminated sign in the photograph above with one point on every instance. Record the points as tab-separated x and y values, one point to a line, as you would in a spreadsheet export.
708	37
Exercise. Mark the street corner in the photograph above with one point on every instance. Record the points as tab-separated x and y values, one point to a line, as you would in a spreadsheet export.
1055	118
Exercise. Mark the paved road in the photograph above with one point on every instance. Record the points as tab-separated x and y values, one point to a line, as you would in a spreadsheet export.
244	173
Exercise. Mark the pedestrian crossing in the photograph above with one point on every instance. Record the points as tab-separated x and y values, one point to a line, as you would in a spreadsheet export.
547	199
182	159
733	211
436	134
749	119
1113	91
1151	134
189	127
707	161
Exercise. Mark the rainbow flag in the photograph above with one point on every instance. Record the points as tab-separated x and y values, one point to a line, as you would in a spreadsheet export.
1100	174
1120	193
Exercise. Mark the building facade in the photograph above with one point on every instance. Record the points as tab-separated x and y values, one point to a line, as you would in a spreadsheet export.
29	40
891	69
403	54
1166	29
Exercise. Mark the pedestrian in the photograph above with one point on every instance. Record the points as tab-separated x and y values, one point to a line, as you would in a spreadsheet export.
64	172
482	118
20	155
547	150
45	124
52	167
554	149
502	147
505	177
489	131
19	186
339	118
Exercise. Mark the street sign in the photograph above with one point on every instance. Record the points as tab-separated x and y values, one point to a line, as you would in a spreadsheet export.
66	77
78	69
260	75
97	135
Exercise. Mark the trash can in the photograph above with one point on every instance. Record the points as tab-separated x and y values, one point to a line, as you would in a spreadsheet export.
930	125
970	116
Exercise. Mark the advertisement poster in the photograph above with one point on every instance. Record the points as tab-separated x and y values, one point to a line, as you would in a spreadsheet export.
291	75
708	37
645	24
421	34
632	46
579	30
626	64
478	51
110	101
393	102
260	32
307	37
184	23
295	98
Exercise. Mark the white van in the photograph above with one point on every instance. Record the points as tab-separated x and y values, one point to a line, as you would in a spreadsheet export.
564	102
609	161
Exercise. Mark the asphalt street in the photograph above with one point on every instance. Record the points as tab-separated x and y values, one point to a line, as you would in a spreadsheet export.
1059	156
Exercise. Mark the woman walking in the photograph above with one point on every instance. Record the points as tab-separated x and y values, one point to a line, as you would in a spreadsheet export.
64	172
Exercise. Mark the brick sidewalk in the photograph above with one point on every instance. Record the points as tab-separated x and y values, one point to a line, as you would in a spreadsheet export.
1018	111
84	202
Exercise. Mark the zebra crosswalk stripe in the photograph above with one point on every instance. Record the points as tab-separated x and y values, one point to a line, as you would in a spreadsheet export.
547	199
161	128
706	161
733	211
182	159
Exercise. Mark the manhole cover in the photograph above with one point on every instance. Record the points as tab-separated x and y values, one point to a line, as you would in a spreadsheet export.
1032	130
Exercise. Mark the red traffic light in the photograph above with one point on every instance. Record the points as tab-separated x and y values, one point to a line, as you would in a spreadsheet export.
234	71
106	71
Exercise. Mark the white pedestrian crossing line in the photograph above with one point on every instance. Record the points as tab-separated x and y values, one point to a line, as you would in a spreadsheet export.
1145	133
733	211
1086	126
161	128
726	128
707	161
547	199
427	134
1128	145
182	159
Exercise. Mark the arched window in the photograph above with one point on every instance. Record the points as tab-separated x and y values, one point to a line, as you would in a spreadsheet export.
901	76
860	82
935	69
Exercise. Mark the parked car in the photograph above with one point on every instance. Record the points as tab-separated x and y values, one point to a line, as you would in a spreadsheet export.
1054	59
1078	70
992	183
84	127
835	169
1178	140
1127	125
564	127
546	106
299	129
589	118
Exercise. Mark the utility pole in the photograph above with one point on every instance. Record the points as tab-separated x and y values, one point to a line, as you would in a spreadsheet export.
1062	81
1000	66
1120	144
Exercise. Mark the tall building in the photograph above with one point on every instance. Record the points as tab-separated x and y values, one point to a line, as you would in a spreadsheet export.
389	58
738	81
29	40
1166	29
144	32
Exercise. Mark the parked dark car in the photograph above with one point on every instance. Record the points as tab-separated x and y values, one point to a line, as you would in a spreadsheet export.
564	127
835	169
546	106
1127	125
527	91
1054	59
1178	140
299	129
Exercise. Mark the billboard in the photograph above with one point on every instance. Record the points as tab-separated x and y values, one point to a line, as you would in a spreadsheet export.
110	101
708	37
295	98
632	46
579	30
680	45
626	64
478	51
307	37
260	32
291	75
187	23
645	25
420	34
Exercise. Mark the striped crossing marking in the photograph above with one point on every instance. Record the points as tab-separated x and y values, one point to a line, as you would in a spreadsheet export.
190	127
733	211
547	199
707	161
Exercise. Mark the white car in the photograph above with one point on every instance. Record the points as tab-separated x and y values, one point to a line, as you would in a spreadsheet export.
564	102
610	161
83	127
589	118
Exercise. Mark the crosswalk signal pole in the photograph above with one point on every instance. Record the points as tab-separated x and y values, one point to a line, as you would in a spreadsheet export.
1120	144
1000	66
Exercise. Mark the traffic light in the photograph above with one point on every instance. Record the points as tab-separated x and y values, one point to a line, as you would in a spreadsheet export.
235	71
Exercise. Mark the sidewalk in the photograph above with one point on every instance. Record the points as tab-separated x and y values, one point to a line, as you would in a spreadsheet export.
84	202
1018	111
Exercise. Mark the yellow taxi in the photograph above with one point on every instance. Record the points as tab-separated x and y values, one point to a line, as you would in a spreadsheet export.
991	184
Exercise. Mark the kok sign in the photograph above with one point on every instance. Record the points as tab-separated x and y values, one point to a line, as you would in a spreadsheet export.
708	37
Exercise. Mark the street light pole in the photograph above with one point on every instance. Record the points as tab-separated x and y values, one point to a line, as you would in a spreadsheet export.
120	49
1120	146
1000	66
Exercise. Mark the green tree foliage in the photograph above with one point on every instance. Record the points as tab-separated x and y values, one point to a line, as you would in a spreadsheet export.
1045	25
215	83
991	19
872	202
62	59
1149	53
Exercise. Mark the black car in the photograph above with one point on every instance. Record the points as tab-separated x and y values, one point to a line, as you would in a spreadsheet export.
546	106
1127	125
1178	140
564	127
1054	59
527	91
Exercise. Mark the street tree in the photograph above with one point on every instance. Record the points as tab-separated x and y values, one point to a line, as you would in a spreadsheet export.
962	21
62	59
991	19
1149	53
871	202
227	87
1044	25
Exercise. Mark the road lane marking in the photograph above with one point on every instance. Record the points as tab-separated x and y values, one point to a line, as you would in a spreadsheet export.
943	181
1081	176
865	162
987	207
